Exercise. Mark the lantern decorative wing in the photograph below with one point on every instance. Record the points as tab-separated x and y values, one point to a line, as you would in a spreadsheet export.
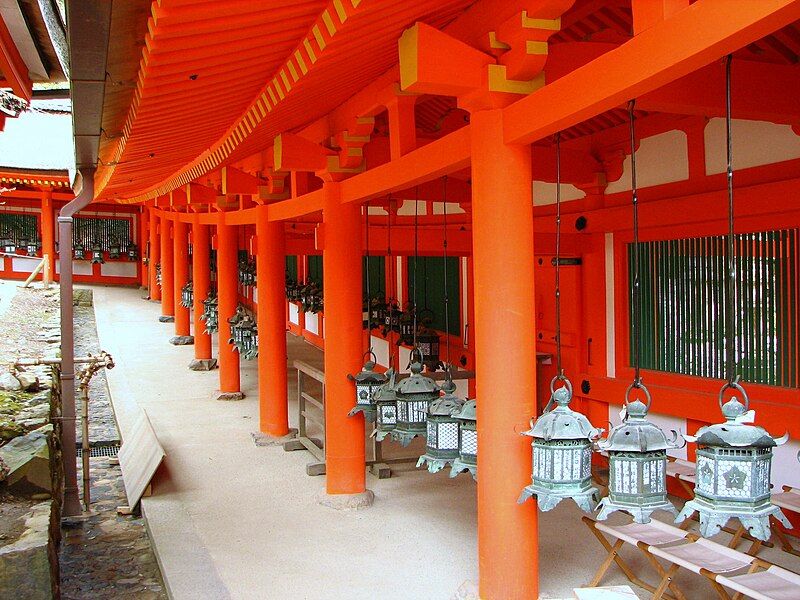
637	465
386	407
562	455
733	472
441	447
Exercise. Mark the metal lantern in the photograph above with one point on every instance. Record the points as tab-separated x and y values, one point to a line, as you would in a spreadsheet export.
79	253
8	245
247	272
733	472
414	394
32	247
441	447
23	243
428	343
637	465
133	251
467	441
386	407
368	382
391	318
406	326
187	295
210	313
562	455
114	250
244	333
158	274
97	253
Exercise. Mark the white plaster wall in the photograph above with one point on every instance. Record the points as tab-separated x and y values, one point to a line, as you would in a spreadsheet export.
118	269
403	356
294	313
544	193
312	323
754	143
452	208
377	210
25	265
401	292
665	422
464	301
79	267
785	468
381	349
407	208
611	357
662	158
255	295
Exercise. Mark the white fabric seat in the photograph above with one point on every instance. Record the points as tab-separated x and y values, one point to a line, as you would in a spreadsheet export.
654	533
789	500
773	584
681	469
704	555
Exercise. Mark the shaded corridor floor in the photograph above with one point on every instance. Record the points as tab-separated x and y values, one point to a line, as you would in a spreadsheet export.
106	555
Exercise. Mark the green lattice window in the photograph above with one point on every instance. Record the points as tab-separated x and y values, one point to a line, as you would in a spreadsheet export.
108	232
18	228
683	306
315	269
376	267
291	268
430	289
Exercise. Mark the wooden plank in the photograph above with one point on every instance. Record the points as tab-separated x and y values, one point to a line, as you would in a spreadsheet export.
139	458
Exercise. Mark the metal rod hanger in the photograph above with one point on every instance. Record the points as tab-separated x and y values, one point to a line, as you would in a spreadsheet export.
559	366
416	261
369	296
446	295
636	324
730	281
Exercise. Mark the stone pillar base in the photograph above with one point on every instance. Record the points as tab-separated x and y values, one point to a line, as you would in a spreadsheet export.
263	439
203	364
230	396
166	319
182	340
346	501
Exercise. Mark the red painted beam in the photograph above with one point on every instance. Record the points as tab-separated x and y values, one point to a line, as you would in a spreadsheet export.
14	68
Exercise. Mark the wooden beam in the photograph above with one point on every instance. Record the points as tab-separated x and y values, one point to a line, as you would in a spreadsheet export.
235	181
14	68
654	58
291	152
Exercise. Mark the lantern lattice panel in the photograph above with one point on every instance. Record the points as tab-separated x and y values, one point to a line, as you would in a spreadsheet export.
644	472
469	441
571	460
739	473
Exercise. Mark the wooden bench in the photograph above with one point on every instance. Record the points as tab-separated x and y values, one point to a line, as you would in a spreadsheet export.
724	567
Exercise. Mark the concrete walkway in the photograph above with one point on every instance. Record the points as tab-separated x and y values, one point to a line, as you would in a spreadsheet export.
232	520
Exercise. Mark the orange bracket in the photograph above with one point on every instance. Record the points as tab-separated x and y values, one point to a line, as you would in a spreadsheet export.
235	181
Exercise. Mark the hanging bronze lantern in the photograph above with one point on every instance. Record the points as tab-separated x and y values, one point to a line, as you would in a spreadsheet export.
414	395
79	253
32	247
133	251
562	455
210	314
467	441
158	274
391	318
9	247
637	463
97	253
377	313
441	446
428	343
734	461
368	382
244	334
114	250
187	295
386	407
406	326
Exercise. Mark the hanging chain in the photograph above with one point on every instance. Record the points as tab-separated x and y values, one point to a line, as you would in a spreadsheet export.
369	296
416	261
636	327
559	367
730	281
446	295
392	277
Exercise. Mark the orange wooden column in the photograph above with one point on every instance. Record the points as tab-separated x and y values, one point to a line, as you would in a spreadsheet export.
180	257
167	272
48	234
505	369
201	284
154	255
270	285
144	227
341	261
227	282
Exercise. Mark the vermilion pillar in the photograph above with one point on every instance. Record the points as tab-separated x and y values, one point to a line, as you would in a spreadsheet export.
48	234
227	280
270	284
341	260
502	229
144	227
155	255
180	254
167	272
201	283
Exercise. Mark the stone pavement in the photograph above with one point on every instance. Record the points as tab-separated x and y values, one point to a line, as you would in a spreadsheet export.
106	555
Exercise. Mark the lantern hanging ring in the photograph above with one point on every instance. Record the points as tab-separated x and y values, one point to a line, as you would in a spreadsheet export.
735	385
564	379
640	386
370	354
415	352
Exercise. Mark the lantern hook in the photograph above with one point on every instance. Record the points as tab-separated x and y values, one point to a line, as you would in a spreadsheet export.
736	386
370	354
640	386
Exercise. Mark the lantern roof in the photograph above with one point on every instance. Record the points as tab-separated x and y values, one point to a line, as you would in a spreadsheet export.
736	432
468	411
387	393
446	406
417	383
563	423
369	375
636	433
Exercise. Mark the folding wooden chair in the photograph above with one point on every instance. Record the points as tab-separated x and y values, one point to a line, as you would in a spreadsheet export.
642	536
773	583
683	471
788	499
